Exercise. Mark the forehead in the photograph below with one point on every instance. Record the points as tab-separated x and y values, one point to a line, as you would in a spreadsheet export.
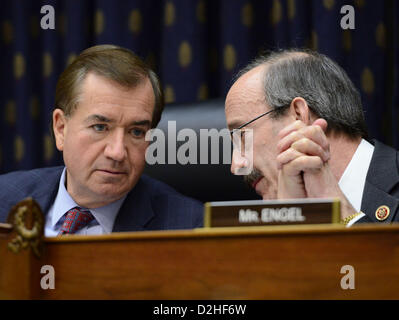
246	98
99	94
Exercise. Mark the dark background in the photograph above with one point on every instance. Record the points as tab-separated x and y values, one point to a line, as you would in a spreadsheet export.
195	46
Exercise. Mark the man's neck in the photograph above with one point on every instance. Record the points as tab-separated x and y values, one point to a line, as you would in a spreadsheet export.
342	150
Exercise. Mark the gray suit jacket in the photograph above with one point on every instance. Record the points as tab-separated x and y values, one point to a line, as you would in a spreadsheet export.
382	184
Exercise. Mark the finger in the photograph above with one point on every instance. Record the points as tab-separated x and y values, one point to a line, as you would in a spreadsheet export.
311	148
321	123
316	134
288	140
303	147
298	124
302	164
287	156
295	126
313	132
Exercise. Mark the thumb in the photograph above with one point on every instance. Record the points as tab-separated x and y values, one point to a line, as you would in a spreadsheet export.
321	123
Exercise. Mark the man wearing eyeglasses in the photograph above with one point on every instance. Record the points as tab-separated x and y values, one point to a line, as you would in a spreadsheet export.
309	136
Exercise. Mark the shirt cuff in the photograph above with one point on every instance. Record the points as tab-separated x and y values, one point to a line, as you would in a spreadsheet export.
358	217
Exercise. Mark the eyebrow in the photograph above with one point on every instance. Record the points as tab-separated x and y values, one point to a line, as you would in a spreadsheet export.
97	117
142	123
101	118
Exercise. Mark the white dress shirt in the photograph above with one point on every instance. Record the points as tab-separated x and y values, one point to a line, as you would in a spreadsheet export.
104	217
354	177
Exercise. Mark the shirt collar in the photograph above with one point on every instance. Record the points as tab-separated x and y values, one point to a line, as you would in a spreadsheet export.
354	177
105	215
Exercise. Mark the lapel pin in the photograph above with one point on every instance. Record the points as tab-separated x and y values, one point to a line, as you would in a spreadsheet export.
382	213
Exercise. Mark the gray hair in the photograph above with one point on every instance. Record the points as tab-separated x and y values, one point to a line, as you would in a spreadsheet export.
325	86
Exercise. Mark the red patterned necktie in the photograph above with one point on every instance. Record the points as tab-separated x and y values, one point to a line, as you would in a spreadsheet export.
76	219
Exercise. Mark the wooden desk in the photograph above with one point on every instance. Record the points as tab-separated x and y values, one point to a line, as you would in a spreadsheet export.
293	262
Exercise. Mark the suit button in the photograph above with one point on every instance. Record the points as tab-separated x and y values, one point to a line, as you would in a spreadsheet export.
382	213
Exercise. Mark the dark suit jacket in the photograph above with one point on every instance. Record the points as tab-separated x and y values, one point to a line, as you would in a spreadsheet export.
150	205
382	184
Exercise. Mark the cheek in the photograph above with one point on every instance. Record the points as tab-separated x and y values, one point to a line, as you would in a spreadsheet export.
80	150
265	154
137	157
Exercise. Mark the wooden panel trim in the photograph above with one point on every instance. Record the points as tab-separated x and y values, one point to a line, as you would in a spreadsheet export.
5	228
227	232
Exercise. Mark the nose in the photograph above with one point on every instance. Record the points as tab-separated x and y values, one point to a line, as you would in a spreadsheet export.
115	148
238	162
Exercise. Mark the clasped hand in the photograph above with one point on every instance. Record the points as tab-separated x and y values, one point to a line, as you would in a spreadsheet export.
303	164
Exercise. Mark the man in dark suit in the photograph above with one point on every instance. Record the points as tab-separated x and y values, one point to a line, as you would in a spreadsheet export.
310	137
106	101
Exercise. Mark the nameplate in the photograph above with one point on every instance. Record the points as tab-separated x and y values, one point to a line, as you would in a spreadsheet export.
271	212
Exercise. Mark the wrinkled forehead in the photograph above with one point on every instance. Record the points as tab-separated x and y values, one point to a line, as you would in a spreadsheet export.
101	96
246	97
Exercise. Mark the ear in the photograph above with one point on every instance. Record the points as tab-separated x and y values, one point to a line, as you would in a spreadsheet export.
300	110
59	128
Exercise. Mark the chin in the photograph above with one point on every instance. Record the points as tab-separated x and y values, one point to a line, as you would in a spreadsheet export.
111	193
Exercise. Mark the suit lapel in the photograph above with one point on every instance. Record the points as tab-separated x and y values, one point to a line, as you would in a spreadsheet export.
46	191
382	177
136	210
135	213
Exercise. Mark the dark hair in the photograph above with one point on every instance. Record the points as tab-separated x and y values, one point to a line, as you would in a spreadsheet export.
112	62
324	85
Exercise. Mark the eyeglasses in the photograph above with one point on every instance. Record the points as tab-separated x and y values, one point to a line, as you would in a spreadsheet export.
249	122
